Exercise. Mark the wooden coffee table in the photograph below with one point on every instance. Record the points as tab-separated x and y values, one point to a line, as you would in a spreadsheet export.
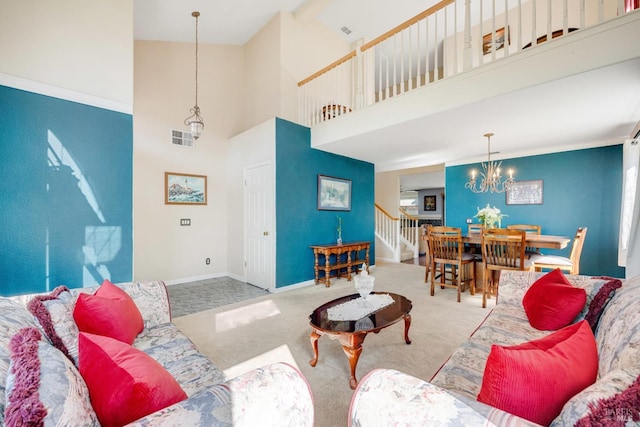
351	333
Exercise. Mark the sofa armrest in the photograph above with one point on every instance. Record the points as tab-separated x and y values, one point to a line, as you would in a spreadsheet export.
275	395
152	300
390	397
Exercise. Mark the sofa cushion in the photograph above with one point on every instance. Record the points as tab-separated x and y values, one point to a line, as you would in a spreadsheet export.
505	325
622	408
125	383
600	301
13	317
43	387
552	302
178	354
110	311
618	331
535	379
610	393
54	311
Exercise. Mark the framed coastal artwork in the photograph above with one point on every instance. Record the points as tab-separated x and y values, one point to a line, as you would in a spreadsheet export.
185	189
334	194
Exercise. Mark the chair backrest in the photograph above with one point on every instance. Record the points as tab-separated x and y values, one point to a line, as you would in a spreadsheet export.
576	248
475	228
445	244
528	228
503	249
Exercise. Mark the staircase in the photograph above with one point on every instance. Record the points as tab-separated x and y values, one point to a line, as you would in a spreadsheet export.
401	235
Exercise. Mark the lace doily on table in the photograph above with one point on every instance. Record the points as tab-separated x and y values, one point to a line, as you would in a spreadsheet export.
360	307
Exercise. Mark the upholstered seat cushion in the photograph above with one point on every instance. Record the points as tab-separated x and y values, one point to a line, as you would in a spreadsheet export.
550	259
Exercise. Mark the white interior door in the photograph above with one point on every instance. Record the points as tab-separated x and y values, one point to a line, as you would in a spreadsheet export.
259	217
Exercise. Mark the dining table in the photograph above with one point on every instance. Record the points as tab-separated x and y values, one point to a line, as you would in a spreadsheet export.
545	241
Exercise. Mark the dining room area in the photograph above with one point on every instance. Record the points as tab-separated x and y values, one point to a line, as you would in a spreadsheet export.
471	260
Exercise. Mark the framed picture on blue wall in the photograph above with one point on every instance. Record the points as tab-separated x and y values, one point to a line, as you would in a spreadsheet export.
334	194
185	189
525	193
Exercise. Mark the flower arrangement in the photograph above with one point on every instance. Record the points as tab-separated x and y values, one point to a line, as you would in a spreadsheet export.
490	216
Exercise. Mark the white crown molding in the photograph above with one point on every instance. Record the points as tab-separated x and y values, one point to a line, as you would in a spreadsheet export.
62	93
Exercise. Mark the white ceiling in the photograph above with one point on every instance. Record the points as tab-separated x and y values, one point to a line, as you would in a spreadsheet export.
596	108
235	22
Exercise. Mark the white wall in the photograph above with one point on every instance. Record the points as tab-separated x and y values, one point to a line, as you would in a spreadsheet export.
387	196
164	93
282	53
84	46
250	148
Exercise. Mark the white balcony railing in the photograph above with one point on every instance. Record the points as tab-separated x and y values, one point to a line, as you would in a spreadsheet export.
449	38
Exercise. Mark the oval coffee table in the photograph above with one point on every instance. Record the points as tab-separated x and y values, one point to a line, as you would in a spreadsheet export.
351	333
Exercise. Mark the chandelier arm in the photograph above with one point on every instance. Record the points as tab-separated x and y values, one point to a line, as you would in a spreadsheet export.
490	178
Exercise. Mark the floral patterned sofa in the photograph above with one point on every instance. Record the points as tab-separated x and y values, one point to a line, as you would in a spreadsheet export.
43	353
610	315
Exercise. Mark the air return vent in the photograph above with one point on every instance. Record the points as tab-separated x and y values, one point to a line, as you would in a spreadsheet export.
181	138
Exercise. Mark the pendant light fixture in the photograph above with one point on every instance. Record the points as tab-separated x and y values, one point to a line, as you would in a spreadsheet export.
194	121
490	179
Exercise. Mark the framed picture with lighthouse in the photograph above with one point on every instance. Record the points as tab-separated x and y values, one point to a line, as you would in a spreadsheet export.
185	189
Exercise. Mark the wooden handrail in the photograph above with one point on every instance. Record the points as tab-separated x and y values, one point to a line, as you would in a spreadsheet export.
433	9
408	215
329	67
386	213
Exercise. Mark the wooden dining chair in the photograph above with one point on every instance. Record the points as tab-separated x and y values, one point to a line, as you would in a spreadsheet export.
530	229
446	249
502	249
571	264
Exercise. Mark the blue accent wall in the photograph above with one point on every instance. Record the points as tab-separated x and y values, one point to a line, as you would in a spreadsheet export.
66	193
582	188
299	223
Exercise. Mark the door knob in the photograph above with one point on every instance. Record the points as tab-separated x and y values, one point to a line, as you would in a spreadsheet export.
265	233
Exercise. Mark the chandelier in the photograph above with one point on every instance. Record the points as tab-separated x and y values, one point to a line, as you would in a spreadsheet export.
490	179
194	121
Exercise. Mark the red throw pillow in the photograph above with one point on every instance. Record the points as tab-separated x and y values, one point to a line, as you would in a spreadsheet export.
535	379
124	383
110	312
552	302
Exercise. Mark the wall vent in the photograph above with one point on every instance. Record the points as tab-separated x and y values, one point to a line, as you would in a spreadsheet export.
181	138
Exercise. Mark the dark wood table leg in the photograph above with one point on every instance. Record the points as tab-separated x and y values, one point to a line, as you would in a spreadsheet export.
407	325
314	343
353	349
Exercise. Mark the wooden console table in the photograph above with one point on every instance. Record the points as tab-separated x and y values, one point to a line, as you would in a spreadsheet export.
339	258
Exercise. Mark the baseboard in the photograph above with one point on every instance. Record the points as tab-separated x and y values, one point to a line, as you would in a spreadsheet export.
197	278
294	286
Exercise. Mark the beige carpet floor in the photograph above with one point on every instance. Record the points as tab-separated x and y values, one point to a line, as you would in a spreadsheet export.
275	327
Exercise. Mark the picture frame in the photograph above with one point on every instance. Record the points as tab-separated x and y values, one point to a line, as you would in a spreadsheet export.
185	189
525	193
334	194
488	45
429	203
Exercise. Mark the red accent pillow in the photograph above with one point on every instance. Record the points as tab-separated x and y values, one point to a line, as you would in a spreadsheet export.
124	383
110	312
535	379
552	302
